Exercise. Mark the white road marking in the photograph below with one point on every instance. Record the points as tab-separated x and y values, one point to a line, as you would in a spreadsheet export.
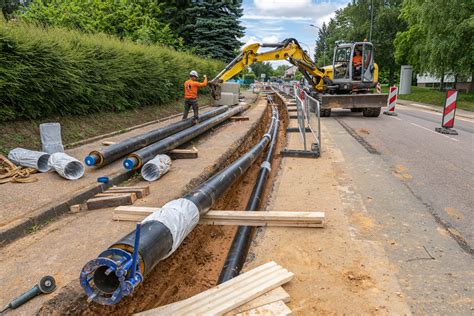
434	132
394	117
418	109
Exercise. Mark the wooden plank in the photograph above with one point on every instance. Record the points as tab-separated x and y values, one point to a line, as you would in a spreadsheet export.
277	308
240	218
184	153
75	208
140	191
111	201
229	295
108	143
277	294
239	118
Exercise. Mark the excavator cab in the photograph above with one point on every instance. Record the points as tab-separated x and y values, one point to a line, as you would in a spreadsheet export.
354	63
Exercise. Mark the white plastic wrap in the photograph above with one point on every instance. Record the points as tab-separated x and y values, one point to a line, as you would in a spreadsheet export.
156	168
51	138
66	166
30	158
180	216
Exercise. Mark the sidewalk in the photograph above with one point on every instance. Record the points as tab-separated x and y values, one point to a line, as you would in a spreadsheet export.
430	107
336	272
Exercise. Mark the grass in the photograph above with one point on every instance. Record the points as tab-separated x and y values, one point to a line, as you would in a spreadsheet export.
75	128
436	97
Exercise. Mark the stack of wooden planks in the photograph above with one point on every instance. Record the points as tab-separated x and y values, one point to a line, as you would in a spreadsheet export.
113	197
239	218
255	292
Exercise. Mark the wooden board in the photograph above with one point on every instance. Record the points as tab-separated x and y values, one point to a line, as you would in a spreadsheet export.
277	308
240	218
183	153
108	143
141	192
111	201
239	118
229	295
277	294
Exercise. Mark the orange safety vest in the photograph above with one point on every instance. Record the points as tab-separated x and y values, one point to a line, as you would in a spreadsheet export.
191	88
357	59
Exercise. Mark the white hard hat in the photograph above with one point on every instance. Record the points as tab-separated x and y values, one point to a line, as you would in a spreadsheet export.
194	73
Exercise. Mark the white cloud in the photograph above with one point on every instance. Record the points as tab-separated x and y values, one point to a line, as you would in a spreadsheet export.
271	17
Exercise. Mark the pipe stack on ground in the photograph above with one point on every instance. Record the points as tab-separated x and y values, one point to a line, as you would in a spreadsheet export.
100	158
138	158
240	245
104	279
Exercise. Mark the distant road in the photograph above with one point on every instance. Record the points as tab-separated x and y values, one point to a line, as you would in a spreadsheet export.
438	169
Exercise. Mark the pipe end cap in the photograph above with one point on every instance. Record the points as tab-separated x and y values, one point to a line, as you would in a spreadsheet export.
90	160
129	164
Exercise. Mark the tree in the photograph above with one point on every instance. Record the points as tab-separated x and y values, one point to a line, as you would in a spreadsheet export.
439	37
214	28
352	23
280	70
139	20
262	68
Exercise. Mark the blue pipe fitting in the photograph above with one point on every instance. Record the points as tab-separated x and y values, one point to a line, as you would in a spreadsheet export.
106	279
90	160
130	163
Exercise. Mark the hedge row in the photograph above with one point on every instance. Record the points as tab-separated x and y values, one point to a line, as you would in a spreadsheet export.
53	71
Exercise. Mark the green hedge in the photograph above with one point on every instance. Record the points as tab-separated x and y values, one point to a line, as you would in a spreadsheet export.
53	71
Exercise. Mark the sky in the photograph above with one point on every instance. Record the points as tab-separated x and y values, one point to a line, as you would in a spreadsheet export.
271	21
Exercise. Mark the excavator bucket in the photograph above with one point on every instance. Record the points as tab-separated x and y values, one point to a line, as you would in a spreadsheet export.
216	89
354	101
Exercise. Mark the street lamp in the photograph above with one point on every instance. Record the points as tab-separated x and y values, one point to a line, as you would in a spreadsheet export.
324	44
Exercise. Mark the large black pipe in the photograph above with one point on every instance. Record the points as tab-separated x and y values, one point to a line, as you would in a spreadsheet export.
107	278
100	158
240	245
138	158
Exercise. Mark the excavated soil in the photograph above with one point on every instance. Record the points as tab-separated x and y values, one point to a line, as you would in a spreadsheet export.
196	265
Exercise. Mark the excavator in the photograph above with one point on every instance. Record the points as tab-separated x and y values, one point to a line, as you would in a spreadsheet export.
348	83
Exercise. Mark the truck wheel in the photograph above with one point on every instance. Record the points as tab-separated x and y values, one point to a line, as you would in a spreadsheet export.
357	110
325	112
371	112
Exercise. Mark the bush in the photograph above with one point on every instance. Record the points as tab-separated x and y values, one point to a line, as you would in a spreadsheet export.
49	71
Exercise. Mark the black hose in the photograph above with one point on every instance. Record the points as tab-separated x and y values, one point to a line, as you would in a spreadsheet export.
240	245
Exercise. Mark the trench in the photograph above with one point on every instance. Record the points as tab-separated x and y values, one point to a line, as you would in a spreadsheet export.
196	265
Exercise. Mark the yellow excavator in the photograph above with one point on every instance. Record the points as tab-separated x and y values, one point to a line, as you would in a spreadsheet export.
348	83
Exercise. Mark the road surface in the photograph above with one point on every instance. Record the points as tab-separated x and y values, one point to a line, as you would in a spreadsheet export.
411	189
438	169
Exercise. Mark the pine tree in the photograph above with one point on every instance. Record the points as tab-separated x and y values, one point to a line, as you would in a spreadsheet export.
213	28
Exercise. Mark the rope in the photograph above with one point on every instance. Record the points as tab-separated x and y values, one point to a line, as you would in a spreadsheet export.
9	172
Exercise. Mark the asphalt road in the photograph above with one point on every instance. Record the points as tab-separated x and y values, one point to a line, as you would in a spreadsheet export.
438	169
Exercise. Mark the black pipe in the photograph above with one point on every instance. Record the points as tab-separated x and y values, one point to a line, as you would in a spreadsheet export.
161	234
138	158
100	158
206	194
240	245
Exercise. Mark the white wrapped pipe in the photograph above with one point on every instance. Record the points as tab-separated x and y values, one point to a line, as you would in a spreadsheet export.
156	168
30	158
51	138
66	166
180	216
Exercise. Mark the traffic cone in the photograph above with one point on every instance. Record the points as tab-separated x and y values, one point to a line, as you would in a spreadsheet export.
391	102
449	112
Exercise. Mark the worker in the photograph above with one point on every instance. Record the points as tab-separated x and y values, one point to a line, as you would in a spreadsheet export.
357	62
190	94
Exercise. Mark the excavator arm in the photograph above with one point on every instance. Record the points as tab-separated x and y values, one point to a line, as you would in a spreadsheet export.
289	50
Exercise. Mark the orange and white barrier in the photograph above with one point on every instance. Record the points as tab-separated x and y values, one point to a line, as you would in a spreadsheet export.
449	112
392	101
378	88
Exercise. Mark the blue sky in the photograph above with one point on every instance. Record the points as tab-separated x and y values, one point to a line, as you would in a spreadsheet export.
274	20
